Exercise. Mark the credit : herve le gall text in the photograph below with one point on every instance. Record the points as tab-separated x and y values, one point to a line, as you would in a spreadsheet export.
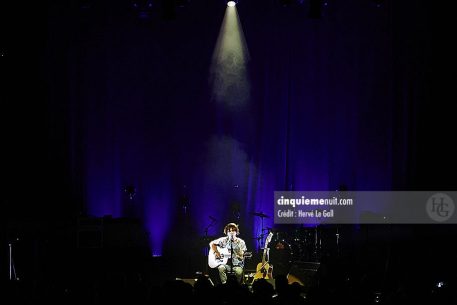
305	214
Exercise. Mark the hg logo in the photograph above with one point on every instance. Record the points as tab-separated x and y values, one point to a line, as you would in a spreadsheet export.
440	207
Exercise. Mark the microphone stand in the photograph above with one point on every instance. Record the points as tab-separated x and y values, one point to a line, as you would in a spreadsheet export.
231	256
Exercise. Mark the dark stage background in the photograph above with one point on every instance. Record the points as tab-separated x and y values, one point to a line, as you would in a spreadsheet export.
113	124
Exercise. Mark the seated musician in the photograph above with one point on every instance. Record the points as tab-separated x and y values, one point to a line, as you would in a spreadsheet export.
234	249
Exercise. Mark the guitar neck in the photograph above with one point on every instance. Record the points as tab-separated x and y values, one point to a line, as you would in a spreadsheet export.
264	255
267	241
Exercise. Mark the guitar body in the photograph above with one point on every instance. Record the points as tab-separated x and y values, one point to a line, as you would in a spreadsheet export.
214	262
263	271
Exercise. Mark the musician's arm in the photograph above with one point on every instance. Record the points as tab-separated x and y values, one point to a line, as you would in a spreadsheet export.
214	249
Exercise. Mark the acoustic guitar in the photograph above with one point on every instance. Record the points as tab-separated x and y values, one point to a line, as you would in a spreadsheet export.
264	270
214	262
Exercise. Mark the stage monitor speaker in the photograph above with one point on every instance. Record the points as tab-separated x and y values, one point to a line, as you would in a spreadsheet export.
187	281
191	281
304	273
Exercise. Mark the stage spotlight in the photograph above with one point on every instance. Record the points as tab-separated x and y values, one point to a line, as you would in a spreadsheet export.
231	3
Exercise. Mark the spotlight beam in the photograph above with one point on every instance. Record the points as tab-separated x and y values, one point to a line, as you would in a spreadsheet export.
228	76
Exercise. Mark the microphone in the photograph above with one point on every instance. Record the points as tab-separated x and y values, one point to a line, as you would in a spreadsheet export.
212	218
